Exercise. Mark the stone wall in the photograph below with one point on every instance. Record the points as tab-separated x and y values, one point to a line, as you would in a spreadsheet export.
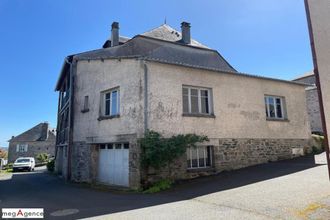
61	161
230	154
313	110
85	162
81	162
34	148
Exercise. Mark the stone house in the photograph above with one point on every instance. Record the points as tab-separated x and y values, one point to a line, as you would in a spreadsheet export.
312	101
39	139
165	81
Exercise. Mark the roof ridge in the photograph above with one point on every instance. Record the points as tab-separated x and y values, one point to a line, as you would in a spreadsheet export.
177	43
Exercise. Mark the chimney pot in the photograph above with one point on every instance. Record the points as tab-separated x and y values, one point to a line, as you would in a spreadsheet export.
185	30
114	34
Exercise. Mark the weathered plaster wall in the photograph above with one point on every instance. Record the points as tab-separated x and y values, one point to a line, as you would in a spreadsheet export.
93	77
34	148
319	15
239	106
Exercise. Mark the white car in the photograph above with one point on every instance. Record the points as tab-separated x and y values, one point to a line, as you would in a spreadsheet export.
24	163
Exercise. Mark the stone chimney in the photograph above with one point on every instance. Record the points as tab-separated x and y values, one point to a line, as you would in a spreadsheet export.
114	34
185	30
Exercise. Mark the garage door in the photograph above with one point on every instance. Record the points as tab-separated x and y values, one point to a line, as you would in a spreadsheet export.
113	164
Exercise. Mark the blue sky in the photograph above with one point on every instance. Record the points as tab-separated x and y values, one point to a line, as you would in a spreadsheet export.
264	37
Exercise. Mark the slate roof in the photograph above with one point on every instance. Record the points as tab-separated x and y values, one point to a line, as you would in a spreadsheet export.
310	73
160	50
122	40
167	33
163	44
40	132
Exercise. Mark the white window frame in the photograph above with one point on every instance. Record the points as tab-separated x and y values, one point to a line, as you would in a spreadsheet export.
189	149
104	93
199	89
21	148
275	107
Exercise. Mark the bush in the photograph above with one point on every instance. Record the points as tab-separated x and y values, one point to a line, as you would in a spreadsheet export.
158	151
51	165
43	157
318	145
8	166
160	186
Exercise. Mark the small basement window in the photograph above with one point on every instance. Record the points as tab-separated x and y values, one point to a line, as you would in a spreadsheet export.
199	157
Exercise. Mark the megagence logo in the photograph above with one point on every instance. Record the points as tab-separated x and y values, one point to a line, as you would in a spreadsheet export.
22	213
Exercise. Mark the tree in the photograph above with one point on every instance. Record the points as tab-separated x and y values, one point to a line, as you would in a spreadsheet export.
3	154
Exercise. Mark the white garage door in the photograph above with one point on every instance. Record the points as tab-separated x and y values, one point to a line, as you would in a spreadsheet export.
113	164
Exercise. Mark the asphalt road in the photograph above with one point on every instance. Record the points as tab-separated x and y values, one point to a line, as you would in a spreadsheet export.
280	190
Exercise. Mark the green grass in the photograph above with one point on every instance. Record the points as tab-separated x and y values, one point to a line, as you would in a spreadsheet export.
4	172
159	186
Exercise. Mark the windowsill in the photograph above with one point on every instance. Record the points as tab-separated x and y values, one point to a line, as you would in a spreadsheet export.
277	119
198	115
202	169
108	117
85	110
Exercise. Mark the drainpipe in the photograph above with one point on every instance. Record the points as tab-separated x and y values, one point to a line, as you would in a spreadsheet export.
70	119
145	67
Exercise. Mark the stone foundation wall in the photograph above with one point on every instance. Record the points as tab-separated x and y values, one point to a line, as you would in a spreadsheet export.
61	161
81	162
85	162
230	154
313	110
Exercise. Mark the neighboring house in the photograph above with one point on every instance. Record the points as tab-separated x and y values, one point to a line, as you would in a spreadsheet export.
3	156
312	100
165	81
39	139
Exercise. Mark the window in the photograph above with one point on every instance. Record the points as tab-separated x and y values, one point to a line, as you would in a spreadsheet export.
274	107
21	148
199	157
111	102
86	104
196	100
114	146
